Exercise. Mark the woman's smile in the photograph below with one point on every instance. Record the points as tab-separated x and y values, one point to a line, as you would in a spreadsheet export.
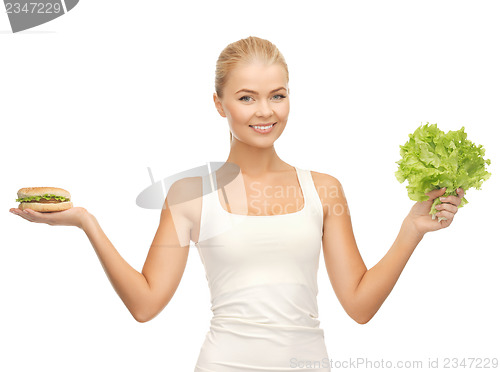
263	128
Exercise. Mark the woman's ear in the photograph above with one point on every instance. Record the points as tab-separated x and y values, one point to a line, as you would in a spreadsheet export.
218	106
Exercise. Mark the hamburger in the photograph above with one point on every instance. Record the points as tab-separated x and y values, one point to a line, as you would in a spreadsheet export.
44	199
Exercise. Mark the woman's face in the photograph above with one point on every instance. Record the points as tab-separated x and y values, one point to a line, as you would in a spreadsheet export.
255	94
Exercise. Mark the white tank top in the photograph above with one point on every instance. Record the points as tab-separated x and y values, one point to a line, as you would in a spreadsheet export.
262	275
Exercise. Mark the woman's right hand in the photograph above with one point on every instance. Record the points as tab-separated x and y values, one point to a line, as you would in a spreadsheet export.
70	217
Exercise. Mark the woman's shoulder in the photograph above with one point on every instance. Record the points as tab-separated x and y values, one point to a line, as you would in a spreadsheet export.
328	187
324	179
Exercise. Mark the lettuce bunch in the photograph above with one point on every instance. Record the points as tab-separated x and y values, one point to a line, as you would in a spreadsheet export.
432	159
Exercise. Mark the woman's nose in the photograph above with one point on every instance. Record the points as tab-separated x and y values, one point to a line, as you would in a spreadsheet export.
264	109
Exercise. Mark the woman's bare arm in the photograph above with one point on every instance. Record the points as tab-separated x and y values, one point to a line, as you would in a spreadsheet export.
144	294
362	292
129	284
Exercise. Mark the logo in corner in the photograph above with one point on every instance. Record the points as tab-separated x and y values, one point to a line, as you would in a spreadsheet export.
28	14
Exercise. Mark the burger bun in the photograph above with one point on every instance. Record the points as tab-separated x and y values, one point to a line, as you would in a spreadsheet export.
46	207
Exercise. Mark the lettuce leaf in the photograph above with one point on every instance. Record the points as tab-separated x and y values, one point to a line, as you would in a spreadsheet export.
432	159
45	196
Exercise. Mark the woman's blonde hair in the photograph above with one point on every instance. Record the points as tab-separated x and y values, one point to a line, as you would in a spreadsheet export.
245	51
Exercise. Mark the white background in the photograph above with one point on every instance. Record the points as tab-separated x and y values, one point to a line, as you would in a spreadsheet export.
91	99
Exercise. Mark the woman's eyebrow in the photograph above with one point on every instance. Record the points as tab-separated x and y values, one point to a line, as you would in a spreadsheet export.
254	92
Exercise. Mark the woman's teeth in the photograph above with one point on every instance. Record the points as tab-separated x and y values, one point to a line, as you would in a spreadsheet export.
260	127
264	129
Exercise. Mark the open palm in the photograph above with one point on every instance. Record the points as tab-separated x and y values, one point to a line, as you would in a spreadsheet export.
69	217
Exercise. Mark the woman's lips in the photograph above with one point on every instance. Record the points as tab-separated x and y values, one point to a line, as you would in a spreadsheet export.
263	131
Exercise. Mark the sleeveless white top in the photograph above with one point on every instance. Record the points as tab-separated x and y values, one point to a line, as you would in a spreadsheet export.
262	275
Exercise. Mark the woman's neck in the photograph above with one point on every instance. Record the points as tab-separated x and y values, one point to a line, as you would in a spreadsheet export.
255	161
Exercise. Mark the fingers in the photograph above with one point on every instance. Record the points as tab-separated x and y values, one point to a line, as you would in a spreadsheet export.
445	213
455	200
22	213
19	212
447	207
436	193
34	216
31	215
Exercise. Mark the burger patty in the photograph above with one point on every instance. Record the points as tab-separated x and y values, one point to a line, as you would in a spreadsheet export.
42	200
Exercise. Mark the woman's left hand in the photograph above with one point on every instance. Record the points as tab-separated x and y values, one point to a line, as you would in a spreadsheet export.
422	220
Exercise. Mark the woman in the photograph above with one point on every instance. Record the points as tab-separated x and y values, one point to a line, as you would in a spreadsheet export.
260	249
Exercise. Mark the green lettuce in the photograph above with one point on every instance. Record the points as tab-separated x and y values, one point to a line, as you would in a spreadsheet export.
432	159
45	196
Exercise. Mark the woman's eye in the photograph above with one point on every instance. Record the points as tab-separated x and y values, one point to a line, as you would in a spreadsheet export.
280	96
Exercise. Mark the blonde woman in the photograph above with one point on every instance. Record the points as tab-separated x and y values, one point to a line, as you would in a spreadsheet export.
259	236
